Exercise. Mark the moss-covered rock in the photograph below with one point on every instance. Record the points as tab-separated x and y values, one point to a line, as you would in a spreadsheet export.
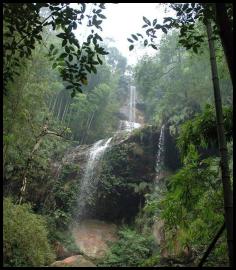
127	164
124	174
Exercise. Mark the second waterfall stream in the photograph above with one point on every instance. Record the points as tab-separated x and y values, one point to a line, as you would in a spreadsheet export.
89	181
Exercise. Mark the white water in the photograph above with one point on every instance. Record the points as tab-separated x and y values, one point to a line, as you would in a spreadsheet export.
90	179
131	124
160	151
132	103
128	126
91	174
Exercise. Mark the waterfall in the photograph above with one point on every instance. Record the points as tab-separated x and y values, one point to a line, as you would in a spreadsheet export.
132	103
90	179
128	126
160	151
91	175
131	124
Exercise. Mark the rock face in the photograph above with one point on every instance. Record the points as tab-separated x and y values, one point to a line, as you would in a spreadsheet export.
73	261
92	237
61	251
126	166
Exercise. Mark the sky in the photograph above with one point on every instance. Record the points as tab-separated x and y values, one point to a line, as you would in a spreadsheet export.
124	19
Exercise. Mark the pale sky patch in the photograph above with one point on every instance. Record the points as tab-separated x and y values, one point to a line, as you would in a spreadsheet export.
124	19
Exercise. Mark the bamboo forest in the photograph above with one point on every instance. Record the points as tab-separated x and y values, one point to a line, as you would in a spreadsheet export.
117	135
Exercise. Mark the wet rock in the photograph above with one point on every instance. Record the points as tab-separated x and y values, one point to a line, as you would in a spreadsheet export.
92	237
61	251
73	261
158	232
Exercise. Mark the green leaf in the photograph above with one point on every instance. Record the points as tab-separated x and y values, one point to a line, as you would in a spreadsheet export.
158	26
130	40
73	94
102	16
54	65
185	6
88	68
154	22
104	52
83	7
94	69
97	23
63	55
55	52
67	49
154	46
145	42
61	35
189	10
195	50
131	47
74	25
134	37
179	13
64	42
139	35
95	63
98	37
164	30
70	57
51	47
99	60
146	21
166	19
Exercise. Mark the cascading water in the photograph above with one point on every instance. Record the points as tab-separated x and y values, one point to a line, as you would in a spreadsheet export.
132	103
131	124
128	126
90	179
160	151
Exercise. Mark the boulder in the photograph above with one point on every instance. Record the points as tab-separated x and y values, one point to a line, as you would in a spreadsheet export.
93	236
73	261
60	251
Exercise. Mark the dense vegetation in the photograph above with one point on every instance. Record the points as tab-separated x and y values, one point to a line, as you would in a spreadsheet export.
60	93
25	238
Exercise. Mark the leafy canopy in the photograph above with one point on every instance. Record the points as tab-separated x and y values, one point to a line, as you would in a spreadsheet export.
23	28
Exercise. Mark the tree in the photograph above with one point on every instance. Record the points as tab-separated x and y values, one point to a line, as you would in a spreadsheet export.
228	195
176	81
23	27
226	33
190	38
188	14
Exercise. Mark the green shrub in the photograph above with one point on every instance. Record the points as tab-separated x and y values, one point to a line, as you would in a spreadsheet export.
130	250
151	261
25	241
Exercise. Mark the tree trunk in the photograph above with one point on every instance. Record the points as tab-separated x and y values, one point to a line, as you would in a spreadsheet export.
25	172
211	246
39	140
225	174
226	34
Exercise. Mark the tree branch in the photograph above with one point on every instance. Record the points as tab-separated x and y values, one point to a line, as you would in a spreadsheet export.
42	24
